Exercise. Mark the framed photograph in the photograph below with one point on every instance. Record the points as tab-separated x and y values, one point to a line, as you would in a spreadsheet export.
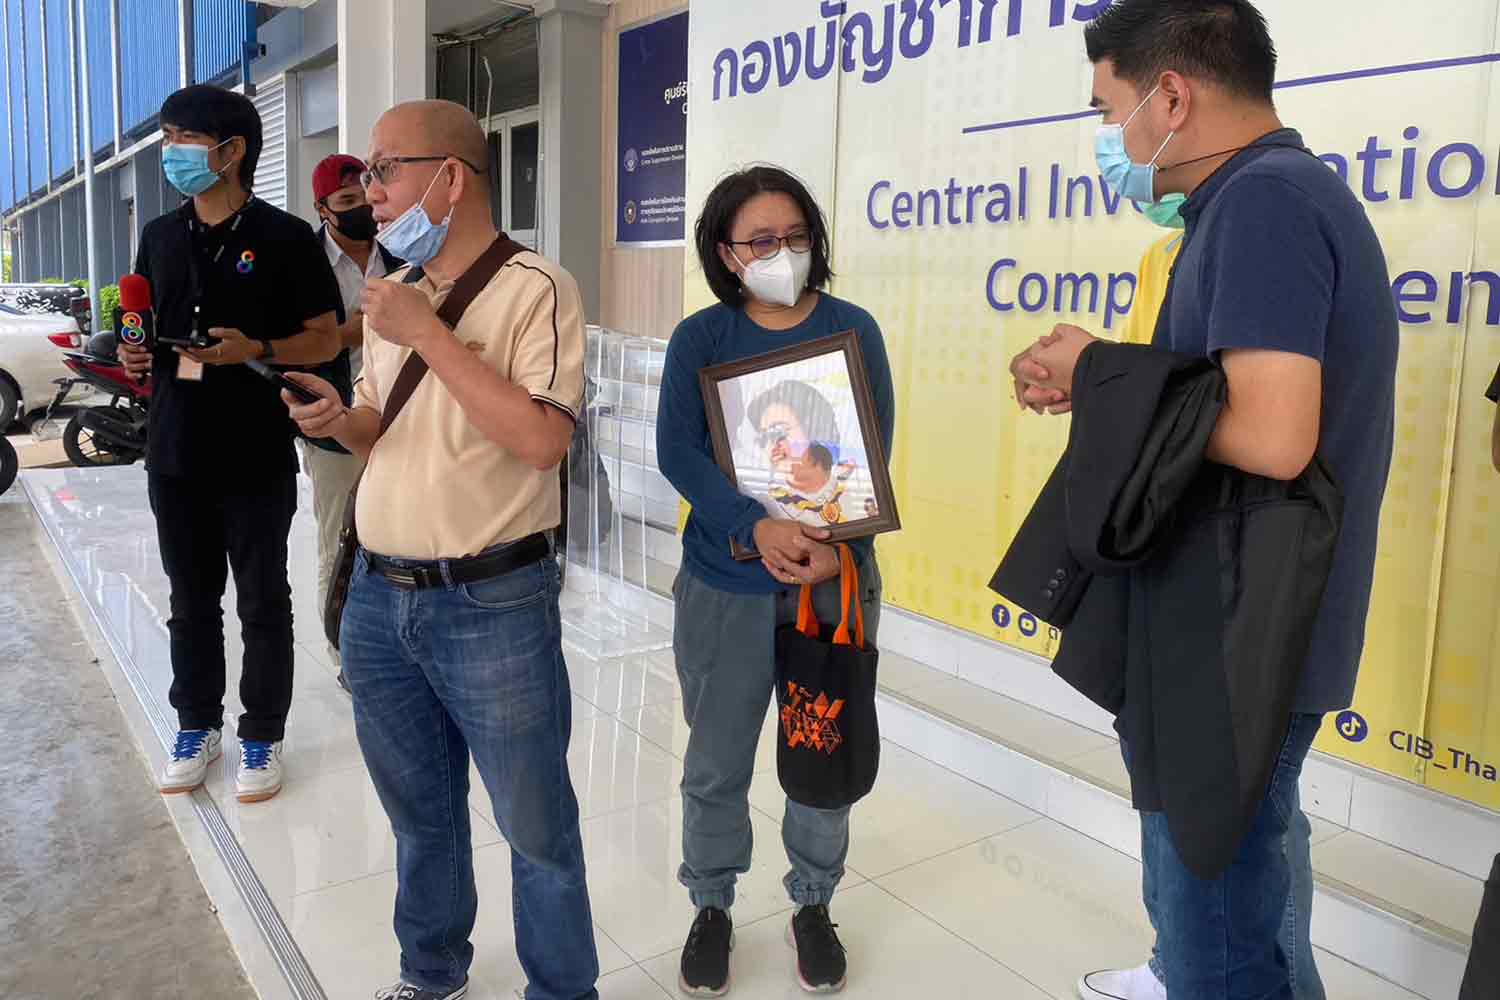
796	430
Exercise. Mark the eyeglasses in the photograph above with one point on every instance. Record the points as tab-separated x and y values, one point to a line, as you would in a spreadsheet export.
386	169
766	247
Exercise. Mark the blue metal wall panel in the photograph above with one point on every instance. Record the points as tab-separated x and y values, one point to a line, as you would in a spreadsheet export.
71	233
60	87
112	231
17	79
218	37
149	61
49	239
36	108
101	74
7	170
31	247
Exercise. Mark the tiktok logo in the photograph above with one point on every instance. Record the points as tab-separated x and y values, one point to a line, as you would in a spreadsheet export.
1352	726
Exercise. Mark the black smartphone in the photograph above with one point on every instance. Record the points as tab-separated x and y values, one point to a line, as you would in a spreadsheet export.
270	374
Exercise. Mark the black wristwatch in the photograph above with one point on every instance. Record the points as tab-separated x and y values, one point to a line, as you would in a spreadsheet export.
267	353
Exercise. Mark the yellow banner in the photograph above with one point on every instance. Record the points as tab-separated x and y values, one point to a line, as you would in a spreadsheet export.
950	146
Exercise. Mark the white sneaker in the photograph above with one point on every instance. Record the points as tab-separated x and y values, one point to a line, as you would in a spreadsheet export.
260	772
406	991
194	751
1139	983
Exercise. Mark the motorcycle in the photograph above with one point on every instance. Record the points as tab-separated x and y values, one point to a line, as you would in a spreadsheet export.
112	434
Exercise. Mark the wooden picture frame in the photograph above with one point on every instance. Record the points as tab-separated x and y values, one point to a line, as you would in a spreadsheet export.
796	430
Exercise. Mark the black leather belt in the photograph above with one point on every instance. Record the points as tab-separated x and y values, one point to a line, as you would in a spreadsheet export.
473	569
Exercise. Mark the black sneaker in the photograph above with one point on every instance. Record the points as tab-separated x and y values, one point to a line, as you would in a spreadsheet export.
705	957
821	964
405	991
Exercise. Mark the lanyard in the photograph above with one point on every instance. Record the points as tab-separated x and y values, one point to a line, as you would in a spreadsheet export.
1238	152
195	229
1183	239
195	275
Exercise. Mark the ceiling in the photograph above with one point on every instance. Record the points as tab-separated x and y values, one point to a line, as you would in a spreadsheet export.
458	16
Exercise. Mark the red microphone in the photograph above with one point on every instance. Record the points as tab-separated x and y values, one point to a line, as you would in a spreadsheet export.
134	324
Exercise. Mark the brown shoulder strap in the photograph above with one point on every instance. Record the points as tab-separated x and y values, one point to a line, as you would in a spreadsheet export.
465	290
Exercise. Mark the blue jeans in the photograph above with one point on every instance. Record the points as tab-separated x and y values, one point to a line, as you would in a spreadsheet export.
1295	938
1246	934
439	674
725	646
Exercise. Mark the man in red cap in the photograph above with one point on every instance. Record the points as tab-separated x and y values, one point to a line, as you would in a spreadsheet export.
348	237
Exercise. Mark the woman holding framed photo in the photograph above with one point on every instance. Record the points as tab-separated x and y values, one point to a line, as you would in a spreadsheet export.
808	438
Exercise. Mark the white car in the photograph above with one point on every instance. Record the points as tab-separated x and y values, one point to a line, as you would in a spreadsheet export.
31	359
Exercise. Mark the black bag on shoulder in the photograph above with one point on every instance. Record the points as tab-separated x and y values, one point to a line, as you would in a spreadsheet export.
828	745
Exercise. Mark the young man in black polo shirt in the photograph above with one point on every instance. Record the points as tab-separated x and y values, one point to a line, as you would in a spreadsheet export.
222	469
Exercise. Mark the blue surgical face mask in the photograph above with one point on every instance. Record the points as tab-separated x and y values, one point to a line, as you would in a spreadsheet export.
187	169
413	236
1166	212
1127	178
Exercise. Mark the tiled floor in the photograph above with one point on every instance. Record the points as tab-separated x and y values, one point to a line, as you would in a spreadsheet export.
1413	883
952	889
1043	735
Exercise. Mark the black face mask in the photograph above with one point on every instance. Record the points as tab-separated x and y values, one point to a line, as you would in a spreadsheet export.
356	223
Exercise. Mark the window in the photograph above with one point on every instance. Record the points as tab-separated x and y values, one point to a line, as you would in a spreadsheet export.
514	68
453	83
515	141
491	73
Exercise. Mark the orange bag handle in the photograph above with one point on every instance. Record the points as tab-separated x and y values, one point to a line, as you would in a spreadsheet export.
807	618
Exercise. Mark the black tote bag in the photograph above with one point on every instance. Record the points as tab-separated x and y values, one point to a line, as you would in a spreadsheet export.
828	747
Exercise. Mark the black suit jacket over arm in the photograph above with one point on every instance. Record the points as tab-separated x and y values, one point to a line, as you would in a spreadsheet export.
1187	589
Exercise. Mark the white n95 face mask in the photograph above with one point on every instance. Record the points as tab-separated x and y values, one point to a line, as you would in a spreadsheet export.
778	280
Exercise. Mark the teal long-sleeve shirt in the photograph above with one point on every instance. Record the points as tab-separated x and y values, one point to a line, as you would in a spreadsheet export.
684	450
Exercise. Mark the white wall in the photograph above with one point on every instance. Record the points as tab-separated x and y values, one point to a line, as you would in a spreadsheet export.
310	149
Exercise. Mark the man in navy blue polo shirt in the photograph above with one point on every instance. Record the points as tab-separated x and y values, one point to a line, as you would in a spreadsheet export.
1282	280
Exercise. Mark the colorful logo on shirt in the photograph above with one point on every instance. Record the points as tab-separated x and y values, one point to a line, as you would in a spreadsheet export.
247	262
133	329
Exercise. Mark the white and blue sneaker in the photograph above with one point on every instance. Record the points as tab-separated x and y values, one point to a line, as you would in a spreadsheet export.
260	771
188	766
